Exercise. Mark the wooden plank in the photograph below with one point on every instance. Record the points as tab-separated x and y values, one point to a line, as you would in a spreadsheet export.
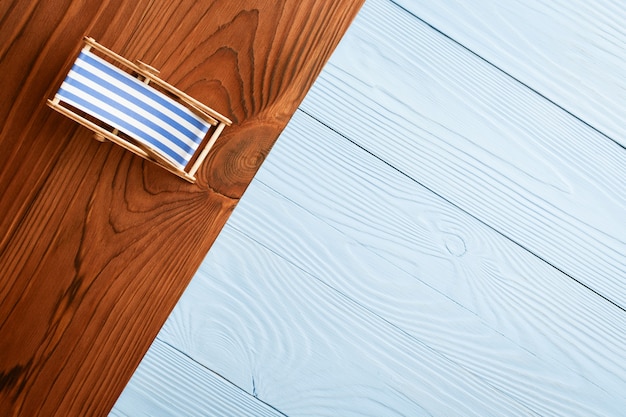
166	380
300	345
406	255
572	52
96	245
482	141
334	183
360	338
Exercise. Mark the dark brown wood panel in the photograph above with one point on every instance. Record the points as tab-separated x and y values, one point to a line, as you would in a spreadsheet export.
97	245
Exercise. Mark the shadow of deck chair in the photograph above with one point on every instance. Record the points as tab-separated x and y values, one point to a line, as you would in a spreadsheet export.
137	110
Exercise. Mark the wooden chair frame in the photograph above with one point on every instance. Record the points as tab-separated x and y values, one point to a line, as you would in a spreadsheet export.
215	122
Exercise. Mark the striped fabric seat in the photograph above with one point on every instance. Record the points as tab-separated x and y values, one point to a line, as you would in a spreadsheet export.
102	90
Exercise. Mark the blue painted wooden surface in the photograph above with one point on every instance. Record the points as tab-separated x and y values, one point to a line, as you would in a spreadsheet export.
428	237
482	141
170	383
571	52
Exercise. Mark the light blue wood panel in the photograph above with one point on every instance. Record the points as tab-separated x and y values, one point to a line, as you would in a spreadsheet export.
310	349
573	52
484	142
168	383
306	348
319	181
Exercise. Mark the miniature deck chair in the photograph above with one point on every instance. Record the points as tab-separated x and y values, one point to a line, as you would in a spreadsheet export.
157	122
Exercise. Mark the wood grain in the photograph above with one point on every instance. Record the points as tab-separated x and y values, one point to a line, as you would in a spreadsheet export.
165	381
482	141
317	180
279	333
96	245
572	52
406	255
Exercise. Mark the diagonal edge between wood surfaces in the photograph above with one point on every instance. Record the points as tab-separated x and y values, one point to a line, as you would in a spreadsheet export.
97	245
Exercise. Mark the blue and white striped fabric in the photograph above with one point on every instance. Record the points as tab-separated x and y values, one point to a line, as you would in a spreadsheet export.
104	91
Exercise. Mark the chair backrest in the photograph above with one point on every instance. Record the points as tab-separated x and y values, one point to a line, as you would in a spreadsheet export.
120	100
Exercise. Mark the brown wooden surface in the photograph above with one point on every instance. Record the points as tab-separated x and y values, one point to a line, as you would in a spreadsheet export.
96	245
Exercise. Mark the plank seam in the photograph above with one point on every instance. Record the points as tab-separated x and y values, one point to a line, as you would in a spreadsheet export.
394	326
220	376
463	210
507	73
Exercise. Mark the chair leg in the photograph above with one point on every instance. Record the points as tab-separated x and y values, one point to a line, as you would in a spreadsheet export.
206	149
